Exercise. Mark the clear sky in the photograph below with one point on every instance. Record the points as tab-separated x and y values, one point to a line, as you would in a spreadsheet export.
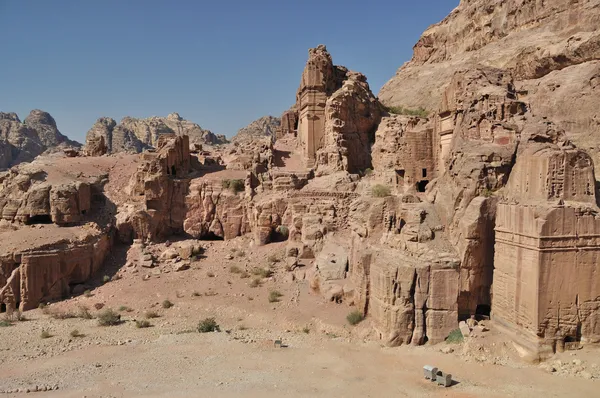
220	63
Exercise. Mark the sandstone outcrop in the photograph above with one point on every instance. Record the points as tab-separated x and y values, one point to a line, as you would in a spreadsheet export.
266	126
337	115
551	48
135	135
23	141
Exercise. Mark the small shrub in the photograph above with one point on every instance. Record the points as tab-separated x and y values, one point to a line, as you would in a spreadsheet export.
45	334
141	324
274	296
42	306
210	274
355	317
208	325
487	193
167	304
108	318
75	333
4	323
234	269
368	172
84	313
380	191
242	327
455	337
106	279
56	314
87	293
306	329
273	258
255	282
235	185
262	272
196	294
152	314
244	275
125	308
400	110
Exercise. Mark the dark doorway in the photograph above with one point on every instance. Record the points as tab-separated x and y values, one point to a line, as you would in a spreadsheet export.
421	185
483	309
2	307
211	236
40	219
173	170
424	173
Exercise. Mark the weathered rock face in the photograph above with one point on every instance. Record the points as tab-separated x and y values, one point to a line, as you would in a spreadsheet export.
135	135
22	142
352	114
551	48
266	126
337	115
547	251
403	153
49	272
161	180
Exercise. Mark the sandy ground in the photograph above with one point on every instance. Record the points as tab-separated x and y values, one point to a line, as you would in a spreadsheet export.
323	357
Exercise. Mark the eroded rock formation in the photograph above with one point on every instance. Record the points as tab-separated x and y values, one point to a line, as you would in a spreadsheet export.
135	135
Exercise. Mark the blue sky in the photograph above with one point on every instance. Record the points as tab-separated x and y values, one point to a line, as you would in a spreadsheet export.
220	63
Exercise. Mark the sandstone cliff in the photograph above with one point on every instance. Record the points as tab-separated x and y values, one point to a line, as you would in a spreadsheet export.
551	48
266	126
135	135
23	141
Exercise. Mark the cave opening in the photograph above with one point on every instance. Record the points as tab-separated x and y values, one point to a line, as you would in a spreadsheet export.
483	310
211	236
40	219
421	185
2	308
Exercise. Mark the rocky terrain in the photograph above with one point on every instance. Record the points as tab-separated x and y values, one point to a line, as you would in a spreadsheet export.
135	135
266	126
350	234
23	141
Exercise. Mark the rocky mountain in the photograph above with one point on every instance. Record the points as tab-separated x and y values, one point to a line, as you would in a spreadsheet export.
23	141
550	47
134	135
266	126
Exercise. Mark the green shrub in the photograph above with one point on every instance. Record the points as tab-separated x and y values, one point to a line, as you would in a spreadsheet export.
84	313
274	296
355	317
167	304
208	325
368	172
56	314
45	334
400	110
234	185
262	272
125	308
234	269
87	293
151	314
4	323
255	282
75	333
106	279
455	337
380	191
108	318
306	329
283	231
141	324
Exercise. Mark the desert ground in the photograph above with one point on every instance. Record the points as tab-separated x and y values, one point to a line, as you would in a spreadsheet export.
322	355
